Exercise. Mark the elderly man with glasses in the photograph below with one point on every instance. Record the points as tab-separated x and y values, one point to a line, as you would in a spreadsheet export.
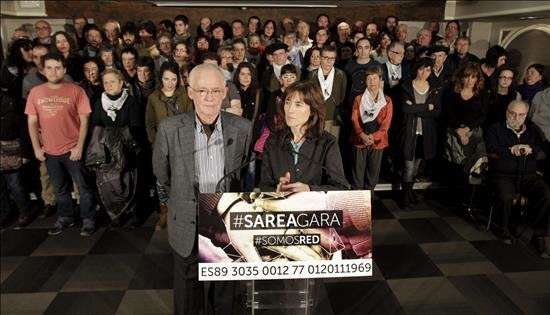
192	152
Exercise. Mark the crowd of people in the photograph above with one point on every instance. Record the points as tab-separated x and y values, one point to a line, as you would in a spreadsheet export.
325	104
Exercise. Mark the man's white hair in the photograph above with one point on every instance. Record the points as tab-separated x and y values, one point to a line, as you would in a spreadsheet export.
203	68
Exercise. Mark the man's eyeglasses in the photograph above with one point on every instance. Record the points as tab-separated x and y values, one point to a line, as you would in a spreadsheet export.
328	58
205	92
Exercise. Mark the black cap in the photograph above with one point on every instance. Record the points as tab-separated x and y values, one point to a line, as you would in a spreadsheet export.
274	47
437	48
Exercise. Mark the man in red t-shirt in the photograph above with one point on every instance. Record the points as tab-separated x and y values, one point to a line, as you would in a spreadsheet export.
58	111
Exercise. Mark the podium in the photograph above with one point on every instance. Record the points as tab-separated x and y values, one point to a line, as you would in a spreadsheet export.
279	244
291	296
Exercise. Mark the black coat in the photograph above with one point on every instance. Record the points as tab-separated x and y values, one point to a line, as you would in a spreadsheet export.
498	140
279	159
411	111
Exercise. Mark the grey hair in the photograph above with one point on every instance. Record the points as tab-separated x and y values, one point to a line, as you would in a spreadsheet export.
202	68
514	102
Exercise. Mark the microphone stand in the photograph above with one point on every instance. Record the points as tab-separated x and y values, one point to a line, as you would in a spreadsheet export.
227	175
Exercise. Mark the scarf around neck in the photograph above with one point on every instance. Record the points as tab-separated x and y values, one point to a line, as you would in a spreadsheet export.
326	84
370	108
110	105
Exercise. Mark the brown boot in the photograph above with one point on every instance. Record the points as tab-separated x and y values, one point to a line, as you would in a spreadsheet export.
163	214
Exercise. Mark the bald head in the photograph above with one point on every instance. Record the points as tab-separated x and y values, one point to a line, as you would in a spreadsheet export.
205	70
516	113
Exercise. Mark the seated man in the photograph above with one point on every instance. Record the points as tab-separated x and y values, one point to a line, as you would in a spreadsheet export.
513	147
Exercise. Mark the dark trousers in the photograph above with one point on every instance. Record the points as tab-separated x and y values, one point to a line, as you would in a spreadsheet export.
189	293
366	169
534	188
16	188
61	169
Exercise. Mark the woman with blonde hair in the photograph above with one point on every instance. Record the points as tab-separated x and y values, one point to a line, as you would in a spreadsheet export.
118	129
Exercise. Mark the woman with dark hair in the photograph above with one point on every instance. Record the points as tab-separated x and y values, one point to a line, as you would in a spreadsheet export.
533	82
254	25
269	33
18	64
246	81
220	33
321	39
168	100
313	62
410	58
64	44
182	54
420	106
502	92
205	27
371	118
299	146
92	69
467	104
381	52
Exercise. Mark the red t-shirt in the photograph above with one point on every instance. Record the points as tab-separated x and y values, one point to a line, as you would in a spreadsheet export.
58	113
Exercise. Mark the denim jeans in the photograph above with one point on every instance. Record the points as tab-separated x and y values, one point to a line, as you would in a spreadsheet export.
58	166
410	171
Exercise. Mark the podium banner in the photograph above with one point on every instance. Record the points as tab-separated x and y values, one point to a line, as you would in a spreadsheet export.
254	236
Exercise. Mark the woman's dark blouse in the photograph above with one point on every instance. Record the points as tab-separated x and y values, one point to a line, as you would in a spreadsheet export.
314	152
471	113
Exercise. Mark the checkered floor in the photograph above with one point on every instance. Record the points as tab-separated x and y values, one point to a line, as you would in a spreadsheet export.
427	261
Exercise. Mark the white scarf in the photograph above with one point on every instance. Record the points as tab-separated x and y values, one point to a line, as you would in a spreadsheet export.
326	85
369	108
112	106
394	72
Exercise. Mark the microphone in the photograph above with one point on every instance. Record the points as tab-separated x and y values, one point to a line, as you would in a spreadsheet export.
339	178
227	175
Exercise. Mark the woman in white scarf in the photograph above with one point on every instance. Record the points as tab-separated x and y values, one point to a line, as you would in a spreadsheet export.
371	118
118	109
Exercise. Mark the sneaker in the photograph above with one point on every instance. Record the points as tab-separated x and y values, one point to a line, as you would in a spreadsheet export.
87	231
59	227
21	222
506	238
539	245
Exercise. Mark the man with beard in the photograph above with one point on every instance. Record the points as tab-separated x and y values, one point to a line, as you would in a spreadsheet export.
58	114
94	37
513	147
129	35
462	55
